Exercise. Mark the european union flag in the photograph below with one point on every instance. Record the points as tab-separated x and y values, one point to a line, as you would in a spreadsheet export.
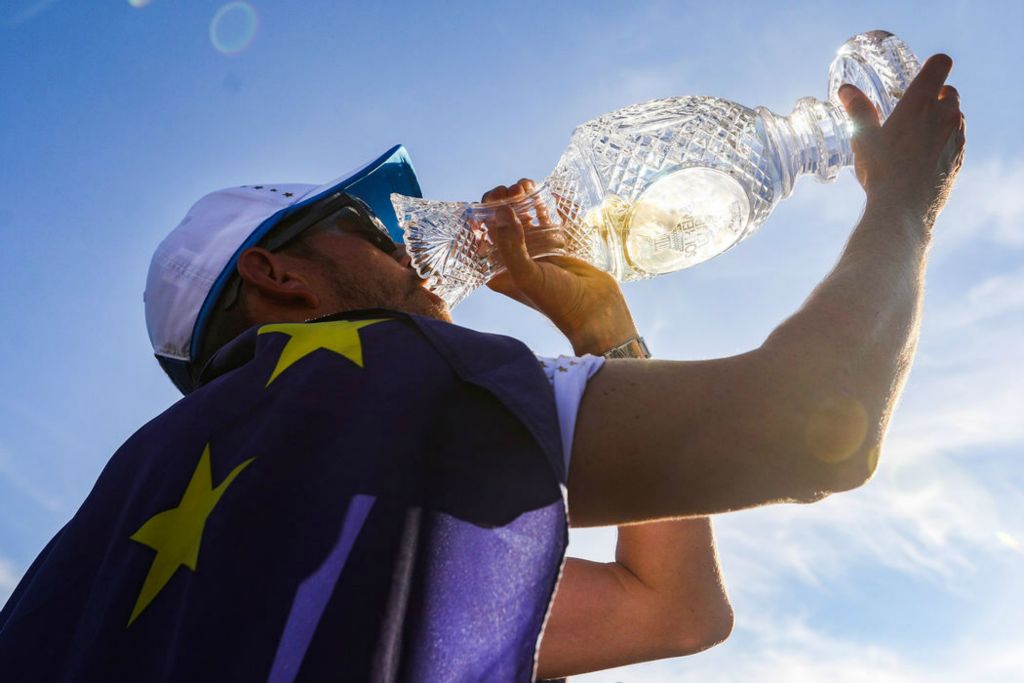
368	497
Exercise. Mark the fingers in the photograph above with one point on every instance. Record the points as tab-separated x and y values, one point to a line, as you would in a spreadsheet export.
859	107
949	103
497	194
523	186
954	150
516	192
543	215
929	79
508	235
518	229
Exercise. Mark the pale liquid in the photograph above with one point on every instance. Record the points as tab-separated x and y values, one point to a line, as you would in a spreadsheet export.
682	219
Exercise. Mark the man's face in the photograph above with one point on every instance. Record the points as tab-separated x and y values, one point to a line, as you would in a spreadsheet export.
354	269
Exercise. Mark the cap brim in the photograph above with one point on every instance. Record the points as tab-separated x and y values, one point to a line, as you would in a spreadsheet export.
374	183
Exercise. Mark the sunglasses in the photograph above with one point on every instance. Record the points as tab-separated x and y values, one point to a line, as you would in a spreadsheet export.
339	210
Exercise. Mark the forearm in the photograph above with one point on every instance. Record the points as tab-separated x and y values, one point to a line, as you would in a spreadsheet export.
677	560
662	597
664	594
848	350
853	341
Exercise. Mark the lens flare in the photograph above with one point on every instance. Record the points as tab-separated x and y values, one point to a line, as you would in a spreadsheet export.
137	4
233	27
1009	541
837	428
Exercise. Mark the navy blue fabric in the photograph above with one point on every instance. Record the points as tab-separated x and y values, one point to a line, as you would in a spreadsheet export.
398	521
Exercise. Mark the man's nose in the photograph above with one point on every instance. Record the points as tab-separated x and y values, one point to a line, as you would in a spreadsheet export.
402	256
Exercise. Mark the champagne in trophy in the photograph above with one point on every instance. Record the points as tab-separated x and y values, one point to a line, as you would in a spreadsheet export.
663	185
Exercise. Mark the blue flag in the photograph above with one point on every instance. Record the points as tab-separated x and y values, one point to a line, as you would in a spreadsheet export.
369	497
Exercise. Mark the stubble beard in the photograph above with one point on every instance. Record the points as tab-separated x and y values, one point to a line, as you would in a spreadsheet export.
350	295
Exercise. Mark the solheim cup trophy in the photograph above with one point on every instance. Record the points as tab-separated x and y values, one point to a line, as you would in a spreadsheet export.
663	185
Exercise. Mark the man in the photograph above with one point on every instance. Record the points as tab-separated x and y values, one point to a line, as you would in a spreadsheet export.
377	493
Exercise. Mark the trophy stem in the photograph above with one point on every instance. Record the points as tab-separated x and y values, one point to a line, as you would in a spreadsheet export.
813	140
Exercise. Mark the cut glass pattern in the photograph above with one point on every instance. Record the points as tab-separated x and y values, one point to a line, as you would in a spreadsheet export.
663	185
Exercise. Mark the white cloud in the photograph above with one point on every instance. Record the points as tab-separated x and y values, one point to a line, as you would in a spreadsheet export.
995	296
962	410
967	388
986	204
773	648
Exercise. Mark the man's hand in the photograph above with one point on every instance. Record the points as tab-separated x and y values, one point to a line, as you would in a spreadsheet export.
583	302
911	161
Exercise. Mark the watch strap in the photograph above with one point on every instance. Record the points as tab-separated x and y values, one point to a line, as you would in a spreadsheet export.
633	348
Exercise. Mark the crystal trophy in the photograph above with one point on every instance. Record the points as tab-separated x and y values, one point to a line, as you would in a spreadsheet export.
662	185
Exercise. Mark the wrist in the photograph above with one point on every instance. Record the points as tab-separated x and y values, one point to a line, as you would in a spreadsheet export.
599	343
903	215
602	333
600	324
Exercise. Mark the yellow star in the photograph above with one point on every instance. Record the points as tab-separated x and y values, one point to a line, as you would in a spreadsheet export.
341	337
175	534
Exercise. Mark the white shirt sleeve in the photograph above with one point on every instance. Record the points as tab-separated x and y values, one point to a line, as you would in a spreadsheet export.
569	376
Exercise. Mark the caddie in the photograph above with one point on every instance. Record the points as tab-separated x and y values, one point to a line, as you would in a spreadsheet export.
354	488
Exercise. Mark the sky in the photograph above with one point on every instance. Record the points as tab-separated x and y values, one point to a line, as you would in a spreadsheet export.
115	117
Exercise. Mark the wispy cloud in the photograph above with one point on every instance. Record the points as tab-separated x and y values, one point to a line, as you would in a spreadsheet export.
986	204
9	578
786	648
28	12
998	295
24	484
928	520
930	512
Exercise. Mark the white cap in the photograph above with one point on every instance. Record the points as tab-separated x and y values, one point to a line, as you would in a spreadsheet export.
193	264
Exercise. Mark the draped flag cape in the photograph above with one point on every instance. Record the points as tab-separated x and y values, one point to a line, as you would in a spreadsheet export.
370	497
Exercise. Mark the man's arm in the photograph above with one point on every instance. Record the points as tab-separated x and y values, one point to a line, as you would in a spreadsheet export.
663	595
805	414
802	416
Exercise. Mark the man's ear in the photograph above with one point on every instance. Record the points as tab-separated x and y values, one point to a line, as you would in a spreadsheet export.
276	278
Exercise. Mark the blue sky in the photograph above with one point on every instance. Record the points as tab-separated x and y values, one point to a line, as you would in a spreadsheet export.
115	117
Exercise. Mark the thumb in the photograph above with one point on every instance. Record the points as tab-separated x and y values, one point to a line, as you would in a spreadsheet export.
859	107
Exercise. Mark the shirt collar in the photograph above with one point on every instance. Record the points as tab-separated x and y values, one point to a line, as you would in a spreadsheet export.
242	348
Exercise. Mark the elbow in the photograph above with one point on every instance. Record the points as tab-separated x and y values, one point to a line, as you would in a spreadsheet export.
825	422
700	629
835	477
857	471
717	630
838	443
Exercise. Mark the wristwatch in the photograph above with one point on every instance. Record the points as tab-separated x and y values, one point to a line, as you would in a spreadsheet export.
634	348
